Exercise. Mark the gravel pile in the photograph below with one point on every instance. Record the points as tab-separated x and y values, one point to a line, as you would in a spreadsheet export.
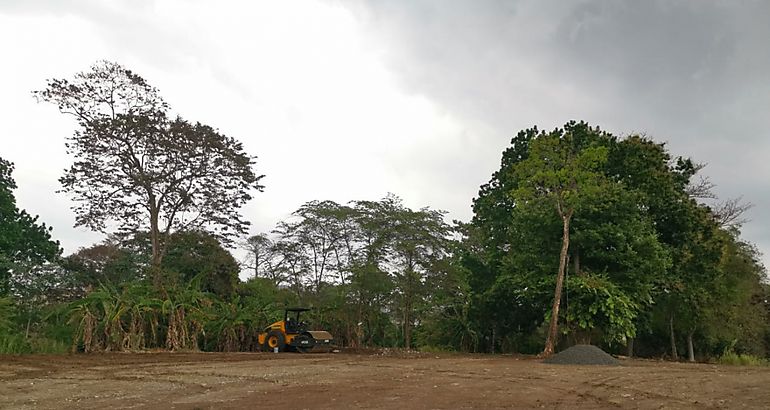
583	354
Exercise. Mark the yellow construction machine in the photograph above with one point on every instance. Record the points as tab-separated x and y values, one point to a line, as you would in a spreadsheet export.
291	334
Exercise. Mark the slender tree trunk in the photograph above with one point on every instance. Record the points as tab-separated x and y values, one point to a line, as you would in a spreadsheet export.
407	318
408	301
630	347
256	264
690	349
553	327
577	263
407	331
492	345
674	354
359	323
29	322
155	270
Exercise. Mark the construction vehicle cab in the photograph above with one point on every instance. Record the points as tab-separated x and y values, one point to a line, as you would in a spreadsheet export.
292	334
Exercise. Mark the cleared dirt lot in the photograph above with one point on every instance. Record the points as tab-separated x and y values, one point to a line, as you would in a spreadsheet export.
338	381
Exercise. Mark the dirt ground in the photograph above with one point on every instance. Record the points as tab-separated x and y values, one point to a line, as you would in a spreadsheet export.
373	381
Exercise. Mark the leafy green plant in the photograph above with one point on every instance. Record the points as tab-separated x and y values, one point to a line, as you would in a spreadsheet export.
740	359
7	313
597	304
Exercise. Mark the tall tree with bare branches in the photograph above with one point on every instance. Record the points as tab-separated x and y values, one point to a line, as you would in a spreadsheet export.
137	167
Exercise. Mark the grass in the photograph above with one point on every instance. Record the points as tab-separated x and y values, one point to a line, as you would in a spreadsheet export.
18	344
735	359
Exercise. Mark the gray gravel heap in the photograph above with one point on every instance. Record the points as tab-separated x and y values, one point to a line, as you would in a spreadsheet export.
583	354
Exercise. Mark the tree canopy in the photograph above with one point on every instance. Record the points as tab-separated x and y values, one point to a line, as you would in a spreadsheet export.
137	166
639	242
24	242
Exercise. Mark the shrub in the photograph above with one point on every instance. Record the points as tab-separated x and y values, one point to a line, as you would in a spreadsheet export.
735	359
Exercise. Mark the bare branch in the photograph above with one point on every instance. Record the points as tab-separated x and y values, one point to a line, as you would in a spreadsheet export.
729	213
701	189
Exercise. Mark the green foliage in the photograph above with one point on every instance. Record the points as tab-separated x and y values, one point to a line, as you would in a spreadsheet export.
192	254
597	304
105	263
642	251
21	333
735	359
563	166
19	344
137	316
24	242
370	261
7	314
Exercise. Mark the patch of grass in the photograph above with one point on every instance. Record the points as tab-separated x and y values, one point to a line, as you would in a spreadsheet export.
735	359
18	344
13	344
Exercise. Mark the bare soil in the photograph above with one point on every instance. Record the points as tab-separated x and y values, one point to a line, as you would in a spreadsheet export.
373	381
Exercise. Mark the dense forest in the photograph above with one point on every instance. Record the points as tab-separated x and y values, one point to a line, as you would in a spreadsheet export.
580	236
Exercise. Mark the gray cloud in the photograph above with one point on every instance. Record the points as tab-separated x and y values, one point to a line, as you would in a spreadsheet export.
693	73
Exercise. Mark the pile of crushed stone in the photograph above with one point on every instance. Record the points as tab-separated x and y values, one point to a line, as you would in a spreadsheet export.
583	354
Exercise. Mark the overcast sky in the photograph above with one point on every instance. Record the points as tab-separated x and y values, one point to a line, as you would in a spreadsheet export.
347	100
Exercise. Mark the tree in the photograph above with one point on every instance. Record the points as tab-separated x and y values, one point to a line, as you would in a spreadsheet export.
25	243
419	239
260	256
616	254
138	167
104	263
319	231
198	255
561	171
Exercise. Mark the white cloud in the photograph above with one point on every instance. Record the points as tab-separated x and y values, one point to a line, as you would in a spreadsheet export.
297	84
352	100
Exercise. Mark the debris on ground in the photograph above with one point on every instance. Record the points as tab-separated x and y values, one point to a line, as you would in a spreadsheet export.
583	354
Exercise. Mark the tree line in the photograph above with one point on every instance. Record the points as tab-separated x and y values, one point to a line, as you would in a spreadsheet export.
579	237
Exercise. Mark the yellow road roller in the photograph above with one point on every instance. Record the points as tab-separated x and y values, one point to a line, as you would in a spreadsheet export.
292	334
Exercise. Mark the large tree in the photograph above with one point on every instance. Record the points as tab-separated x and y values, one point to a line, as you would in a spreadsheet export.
562	168
618	191
139	167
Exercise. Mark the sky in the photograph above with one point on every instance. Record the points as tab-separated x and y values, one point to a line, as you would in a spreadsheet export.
351	99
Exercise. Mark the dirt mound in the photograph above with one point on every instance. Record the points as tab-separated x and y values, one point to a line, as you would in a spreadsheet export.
583	354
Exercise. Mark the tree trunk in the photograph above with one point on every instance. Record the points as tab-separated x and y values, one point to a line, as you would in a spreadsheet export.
674	354
29	322
407	332
577	263
553	327
155	270
690	350
359	324
256	263
492	345
407	322
630	347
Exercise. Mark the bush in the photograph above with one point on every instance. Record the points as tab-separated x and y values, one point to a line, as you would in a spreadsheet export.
735	359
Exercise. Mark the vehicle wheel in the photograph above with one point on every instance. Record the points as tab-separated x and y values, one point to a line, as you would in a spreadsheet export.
303	349
275	339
